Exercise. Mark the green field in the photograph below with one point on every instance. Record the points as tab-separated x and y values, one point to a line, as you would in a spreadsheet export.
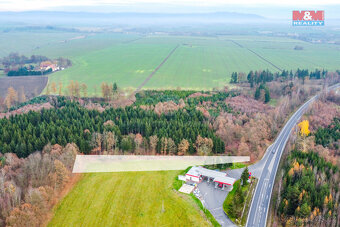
127	199
198	62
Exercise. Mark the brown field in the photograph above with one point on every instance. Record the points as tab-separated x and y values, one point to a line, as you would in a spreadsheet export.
32	85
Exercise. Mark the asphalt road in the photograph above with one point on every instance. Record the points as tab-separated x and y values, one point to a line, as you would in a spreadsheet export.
267	168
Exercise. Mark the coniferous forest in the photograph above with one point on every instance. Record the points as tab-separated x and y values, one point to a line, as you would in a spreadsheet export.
70	122
330	135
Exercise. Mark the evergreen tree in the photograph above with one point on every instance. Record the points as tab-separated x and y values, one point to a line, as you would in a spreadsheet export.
234	78
266	95
257	93
245	176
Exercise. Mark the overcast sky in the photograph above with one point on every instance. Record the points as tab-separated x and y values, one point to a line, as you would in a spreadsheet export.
120	5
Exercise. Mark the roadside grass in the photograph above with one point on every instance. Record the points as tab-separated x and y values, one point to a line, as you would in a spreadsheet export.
177	184
206	211
226	166
127	199
238	211
238	165
247	204
228	201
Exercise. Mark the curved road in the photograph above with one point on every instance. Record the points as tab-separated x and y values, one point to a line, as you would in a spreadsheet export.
267	167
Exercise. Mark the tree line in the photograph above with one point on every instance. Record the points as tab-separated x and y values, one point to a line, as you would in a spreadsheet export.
28	71
76	89
263	76
214	101
24	134
20	65
15	59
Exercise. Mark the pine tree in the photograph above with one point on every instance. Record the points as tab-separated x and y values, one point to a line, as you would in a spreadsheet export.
266	95
234	78
257	93
115	87
245	176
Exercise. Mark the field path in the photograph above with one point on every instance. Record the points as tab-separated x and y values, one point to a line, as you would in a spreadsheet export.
258	55
153	72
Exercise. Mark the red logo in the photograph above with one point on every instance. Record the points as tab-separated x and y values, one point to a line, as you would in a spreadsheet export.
308	15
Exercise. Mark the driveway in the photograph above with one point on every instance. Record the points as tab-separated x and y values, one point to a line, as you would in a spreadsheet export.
213	199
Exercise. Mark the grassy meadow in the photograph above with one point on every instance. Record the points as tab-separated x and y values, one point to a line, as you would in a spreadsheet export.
127	199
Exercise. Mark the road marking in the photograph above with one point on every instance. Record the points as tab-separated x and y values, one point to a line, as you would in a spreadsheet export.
258	212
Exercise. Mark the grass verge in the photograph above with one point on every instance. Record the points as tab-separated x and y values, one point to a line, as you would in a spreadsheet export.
248	202
238	165
238	201
206	211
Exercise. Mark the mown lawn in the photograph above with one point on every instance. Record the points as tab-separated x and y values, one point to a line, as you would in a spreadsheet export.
127	199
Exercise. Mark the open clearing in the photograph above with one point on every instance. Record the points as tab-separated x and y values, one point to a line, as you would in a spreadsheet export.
127	199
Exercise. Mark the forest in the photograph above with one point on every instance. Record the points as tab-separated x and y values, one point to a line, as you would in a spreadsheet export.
307	188
157	122
310	190
213	102
129	129
30	187
329	136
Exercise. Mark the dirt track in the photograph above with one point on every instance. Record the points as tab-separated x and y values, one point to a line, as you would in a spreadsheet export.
258	55
33	85
153	72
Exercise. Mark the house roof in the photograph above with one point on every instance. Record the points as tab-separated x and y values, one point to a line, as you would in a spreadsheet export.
218	176
225	180
193	172
45	63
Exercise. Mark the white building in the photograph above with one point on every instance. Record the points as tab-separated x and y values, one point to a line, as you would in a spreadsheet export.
196	174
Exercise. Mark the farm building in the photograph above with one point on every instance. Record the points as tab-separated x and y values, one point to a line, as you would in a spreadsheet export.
46	65
197	174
